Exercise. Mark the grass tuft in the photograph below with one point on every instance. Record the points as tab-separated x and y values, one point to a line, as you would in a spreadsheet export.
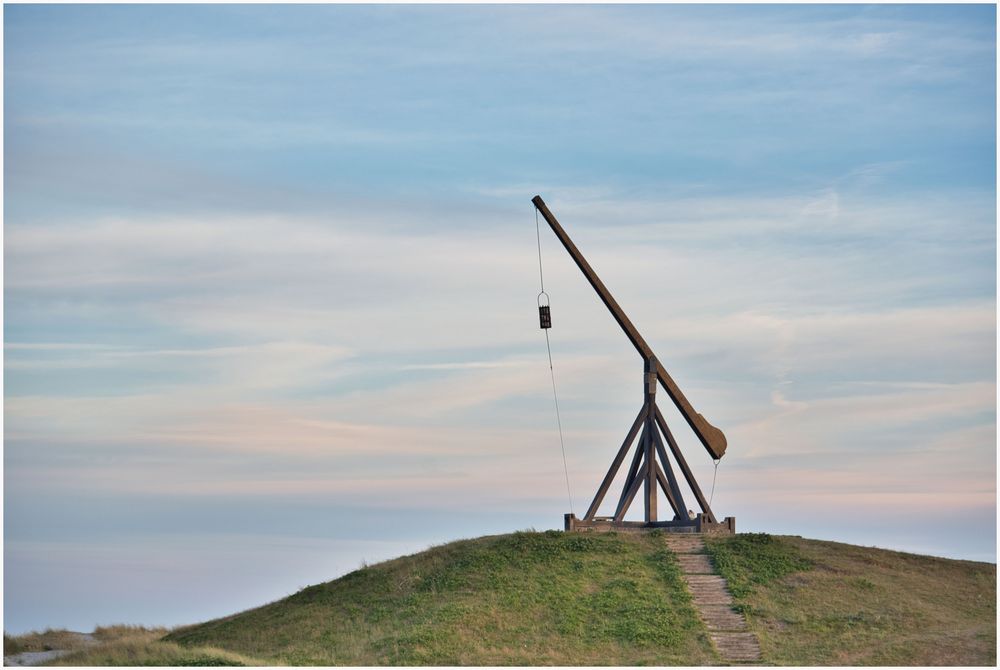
139	651
751	559
46	640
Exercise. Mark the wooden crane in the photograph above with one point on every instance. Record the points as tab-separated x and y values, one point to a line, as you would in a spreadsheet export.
650	467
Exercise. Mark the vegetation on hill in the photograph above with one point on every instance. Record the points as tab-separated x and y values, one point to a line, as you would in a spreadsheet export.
46	640
525	599
590	599
119	646
825	603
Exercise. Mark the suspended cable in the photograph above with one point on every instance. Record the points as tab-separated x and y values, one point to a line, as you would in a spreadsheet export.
715	474
546	323
538	236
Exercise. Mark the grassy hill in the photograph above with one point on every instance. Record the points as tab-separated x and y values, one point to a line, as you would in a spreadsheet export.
617	599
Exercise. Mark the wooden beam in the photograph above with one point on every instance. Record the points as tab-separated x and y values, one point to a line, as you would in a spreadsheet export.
660	477
627	500
633	469
671	479
711	437
617	463
676	450
649	489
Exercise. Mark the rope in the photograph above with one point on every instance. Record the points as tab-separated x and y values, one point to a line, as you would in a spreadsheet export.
714	475
552	373
538	236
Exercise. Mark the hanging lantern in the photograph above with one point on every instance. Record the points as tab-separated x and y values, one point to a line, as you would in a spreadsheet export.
544	315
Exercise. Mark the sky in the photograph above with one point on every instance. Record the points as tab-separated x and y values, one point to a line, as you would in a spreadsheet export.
270	278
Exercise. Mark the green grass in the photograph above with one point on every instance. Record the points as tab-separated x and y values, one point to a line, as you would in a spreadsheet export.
523	599
578	599
752	559
824	603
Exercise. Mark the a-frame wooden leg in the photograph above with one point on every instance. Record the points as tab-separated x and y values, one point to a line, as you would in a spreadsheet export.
676	451
629	496
662	479
633	470
669	471
644	416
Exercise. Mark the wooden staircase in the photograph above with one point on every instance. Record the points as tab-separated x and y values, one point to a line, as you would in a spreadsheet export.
727	628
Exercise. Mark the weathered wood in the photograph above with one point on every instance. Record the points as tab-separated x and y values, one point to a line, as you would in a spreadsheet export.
633	469
722	618
712	600
711	437
737	647
617	463
662	479
649	391
695	564
671	479
688	475
686	544
649	483
629	496
601	524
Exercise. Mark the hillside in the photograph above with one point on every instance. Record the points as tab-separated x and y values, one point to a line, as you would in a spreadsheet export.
572	599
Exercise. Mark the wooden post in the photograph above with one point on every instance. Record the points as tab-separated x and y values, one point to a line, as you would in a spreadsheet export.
671	479
649	492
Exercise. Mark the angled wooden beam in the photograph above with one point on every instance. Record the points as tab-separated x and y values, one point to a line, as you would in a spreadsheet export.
671	479
633	469
627	500
662	479
676	450
613	470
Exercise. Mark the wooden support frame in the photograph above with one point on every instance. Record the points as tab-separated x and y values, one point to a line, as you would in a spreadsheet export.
650	468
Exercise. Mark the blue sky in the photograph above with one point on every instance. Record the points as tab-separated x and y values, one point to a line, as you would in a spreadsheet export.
270	279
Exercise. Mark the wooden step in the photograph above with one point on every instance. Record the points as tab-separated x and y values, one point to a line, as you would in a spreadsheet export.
686	546
695	564
704	580
737	647
710	595
722	618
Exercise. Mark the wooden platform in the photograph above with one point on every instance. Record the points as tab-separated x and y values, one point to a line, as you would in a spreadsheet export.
727	628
